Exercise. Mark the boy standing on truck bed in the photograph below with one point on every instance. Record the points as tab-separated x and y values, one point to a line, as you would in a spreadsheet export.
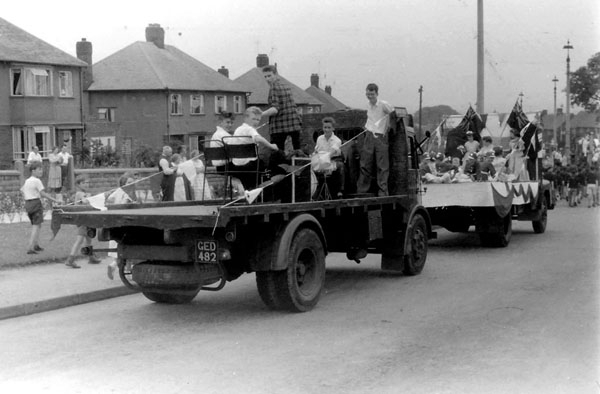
32	190
284	119
374	144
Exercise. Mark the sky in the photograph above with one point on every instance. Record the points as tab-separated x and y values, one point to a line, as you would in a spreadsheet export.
398	44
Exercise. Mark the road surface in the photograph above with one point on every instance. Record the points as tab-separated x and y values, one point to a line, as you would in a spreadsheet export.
521	319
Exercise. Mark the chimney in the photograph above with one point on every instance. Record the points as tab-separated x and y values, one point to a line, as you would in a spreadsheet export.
314	80
83	49
224	71
262	60
156	34
328	89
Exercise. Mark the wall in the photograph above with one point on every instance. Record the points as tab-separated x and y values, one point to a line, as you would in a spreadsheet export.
101	179
144	116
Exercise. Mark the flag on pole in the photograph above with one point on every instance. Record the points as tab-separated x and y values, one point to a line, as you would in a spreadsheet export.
530	135
458	136
517	118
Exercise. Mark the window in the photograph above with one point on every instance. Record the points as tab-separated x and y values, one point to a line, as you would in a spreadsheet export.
237	104
197	104
65	83
299	110
317	110
107	114
16	82
309	110
176	108
37	82
29	81
26	137
220	104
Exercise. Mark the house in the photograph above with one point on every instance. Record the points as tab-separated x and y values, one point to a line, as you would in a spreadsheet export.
149	94
254	81
40	96
330	103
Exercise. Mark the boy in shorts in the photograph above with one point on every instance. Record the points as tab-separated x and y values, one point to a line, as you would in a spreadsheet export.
33	190
81	196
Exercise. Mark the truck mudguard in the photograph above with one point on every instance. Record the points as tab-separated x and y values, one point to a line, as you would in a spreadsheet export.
285	237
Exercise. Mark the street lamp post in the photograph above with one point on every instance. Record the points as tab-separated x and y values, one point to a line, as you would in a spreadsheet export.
568	47
420	104
555	80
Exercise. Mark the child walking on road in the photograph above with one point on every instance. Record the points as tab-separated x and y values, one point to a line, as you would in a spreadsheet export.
81	198
33	190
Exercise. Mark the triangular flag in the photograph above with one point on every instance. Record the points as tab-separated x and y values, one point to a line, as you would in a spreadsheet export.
97	201
251	195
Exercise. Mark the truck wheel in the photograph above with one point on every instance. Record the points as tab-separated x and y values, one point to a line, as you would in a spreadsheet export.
417	238
170	298
539	226
499	238
298	287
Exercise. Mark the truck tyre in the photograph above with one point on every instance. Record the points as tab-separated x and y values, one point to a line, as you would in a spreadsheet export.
170	298
298	287
417	246
500	236
539	226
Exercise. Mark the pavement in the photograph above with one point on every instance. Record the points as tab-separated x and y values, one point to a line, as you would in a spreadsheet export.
39	288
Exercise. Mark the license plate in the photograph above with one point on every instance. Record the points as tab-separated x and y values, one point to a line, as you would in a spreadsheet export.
206	251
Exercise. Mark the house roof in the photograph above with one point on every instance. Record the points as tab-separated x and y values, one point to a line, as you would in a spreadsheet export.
587	120
255	82
330	103
144	66
17	45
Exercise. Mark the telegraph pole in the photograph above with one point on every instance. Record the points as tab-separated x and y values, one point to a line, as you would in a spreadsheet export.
480	82
568	47
555	80
420	104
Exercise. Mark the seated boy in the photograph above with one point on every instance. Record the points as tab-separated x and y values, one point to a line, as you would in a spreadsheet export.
246	168
329	144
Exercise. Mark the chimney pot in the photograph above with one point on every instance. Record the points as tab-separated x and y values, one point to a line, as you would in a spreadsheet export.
314	80
328	90
262	60
224	71
156	34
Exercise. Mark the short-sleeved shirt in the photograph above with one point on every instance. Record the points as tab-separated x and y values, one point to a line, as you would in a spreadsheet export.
472	146
287	119
377	117
245	130
32	188
65	158
331	145
33	157
218	136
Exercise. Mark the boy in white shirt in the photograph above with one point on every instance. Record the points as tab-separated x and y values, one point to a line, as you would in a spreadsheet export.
33	190
247	167
329	143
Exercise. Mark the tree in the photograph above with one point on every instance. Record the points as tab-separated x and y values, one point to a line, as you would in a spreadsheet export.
585	85
432	116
